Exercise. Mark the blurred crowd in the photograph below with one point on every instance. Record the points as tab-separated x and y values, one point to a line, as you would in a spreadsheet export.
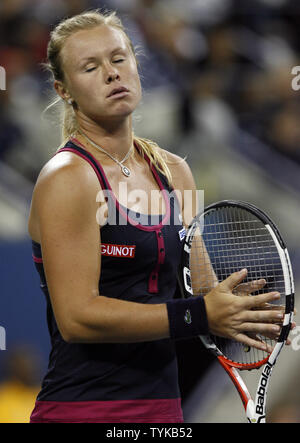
228	61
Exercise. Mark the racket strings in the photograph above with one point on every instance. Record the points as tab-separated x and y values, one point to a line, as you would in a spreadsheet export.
227	240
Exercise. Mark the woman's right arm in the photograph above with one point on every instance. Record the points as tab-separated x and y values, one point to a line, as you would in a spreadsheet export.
65	206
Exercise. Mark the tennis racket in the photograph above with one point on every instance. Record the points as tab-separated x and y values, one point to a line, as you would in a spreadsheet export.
226	237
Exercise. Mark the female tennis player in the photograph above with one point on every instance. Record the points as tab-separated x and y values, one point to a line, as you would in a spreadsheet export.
110	289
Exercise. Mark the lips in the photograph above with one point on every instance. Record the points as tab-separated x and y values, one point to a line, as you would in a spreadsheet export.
117	91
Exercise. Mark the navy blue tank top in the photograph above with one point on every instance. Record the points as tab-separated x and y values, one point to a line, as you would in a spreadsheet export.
135	382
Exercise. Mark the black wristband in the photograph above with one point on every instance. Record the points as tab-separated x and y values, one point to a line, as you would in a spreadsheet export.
187	318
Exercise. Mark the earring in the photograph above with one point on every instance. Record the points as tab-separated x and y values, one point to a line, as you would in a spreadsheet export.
70	101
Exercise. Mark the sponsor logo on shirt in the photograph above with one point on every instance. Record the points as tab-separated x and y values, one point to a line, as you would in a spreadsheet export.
109	250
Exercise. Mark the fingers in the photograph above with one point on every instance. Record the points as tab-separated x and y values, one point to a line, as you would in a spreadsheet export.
256	343
264	316
293	326
249	336
270	331
269	307
272	336
261	299
233	280
247	288
237	317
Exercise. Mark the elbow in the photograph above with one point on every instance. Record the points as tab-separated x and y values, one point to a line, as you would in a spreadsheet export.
77	333
77	327
70	326
70	333
69	337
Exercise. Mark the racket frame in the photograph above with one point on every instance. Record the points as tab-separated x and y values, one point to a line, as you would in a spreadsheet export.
255	410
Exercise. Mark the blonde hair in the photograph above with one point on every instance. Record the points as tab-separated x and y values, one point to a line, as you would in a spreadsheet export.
62	31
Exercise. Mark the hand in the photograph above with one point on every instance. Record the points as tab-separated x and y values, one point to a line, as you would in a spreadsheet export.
246	288
235	317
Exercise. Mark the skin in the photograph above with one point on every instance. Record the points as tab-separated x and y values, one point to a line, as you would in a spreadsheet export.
89	82
63	210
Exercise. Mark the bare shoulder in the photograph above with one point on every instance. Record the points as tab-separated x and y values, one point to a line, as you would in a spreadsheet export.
66	185
66	172
182	177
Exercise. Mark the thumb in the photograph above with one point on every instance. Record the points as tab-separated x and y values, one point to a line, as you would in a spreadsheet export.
234	279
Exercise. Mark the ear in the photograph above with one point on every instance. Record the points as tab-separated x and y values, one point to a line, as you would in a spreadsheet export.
61	90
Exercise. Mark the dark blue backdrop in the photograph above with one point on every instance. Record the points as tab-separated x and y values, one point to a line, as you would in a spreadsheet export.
22	303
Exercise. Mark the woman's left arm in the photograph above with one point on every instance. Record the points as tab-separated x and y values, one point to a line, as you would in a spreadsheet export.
191	203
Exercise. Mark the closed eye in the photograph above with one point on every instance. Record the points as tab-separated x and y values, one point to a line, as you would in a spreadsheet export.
90	69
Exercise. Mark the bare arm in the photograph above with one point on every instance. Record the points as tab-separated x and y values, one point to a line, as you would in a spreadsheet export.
65	201
189	198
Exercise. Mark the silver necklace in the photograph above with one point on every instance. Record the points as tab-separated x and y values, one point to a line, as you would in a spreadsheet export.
126	171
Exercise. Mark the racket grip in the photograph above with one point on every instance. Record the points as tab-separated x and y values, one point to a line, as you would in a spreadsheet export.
187	318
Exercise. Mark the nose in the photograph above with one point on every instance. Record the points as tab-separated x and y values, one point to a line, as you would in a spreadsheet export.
111	74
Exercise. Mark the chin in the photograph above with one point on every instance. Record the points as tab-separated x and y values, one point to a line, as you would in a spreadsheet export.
123	111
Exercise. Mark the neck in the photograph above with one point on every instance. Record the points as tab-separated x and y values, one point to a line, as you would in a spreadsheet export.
115	138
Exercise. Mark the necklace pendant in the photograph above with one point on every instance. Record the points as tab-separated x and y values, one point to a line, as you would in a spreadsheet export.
126	171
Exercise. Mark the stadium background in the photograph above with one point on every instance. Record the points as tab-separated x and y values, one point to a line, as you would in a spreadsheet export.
218	89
